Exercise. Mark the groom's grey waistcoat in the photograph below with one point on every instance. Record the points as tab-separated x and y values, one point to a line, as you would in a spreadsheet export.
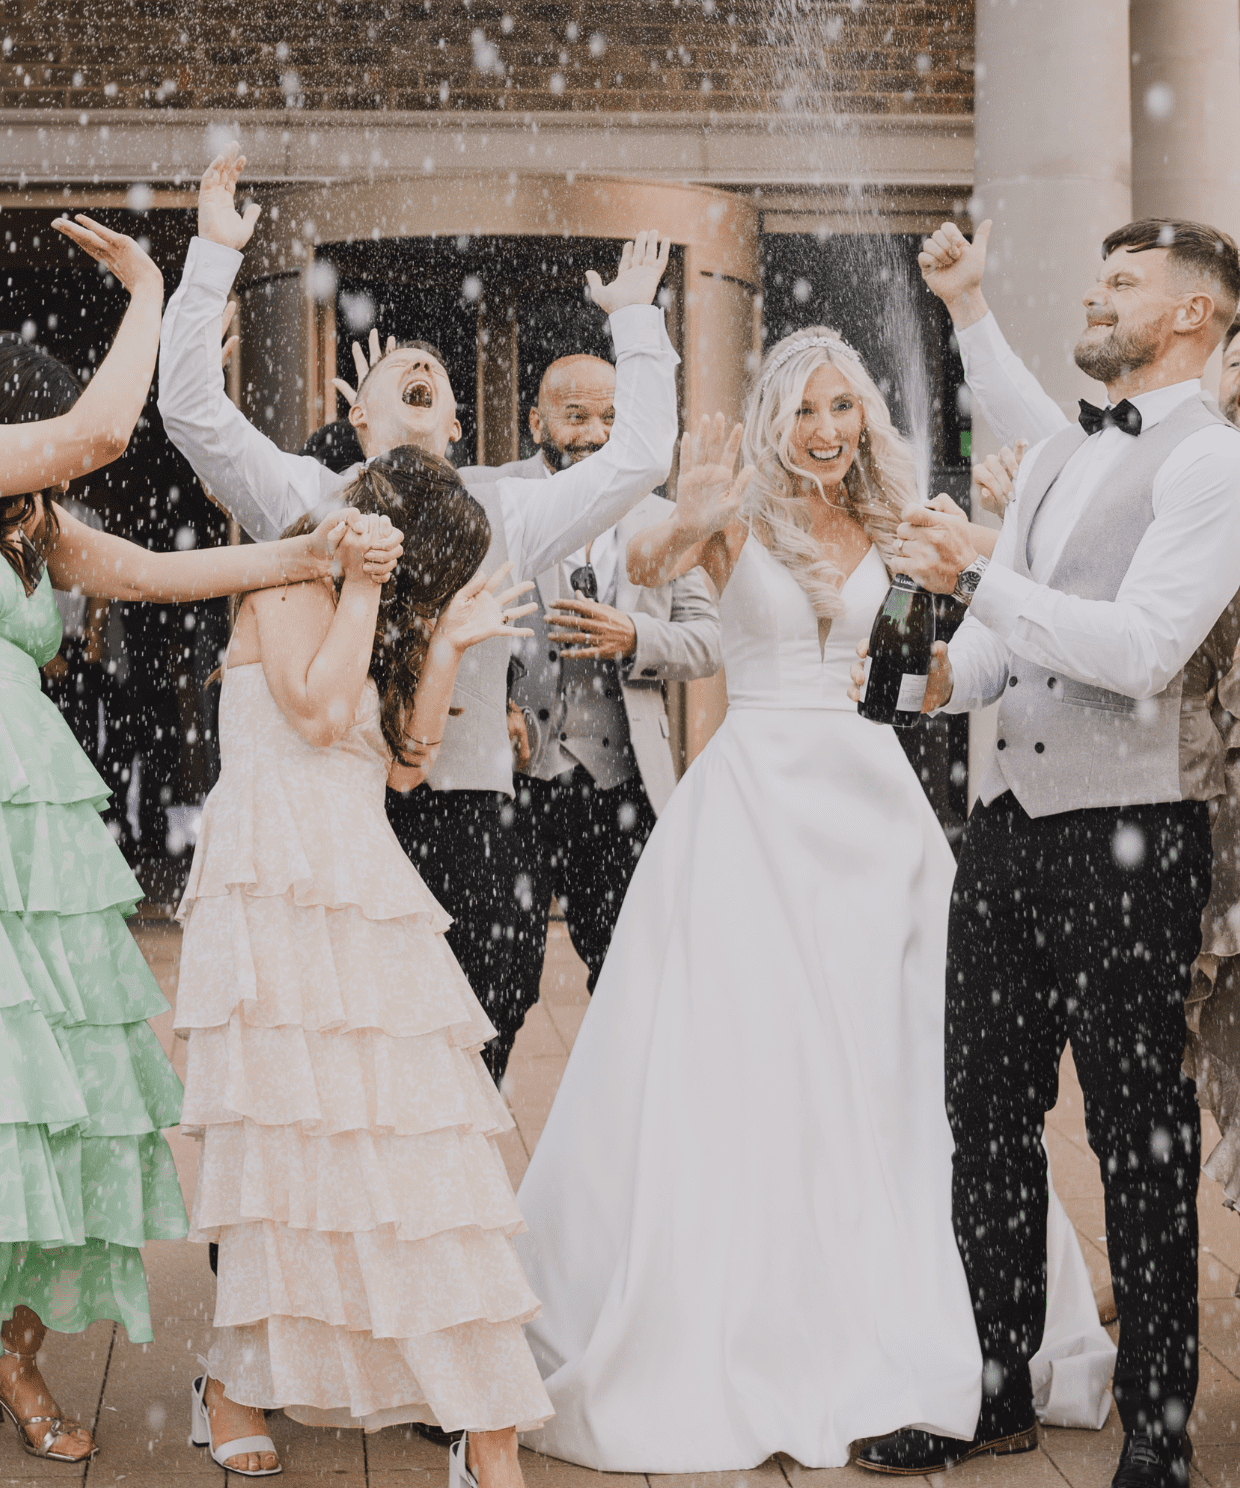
475	753
1063	744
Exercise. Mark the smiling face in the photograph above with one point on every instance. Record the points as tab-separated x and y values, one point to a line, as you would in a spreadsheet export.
576	409
1129	314
828	425
406	399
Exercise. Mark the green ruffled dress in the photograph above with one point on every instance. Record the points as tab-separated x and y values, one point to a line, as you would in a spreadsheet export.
86	1176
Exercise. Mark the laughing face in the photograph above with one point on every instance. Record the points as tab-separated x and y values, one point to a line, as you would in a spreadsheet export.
406	399
829	421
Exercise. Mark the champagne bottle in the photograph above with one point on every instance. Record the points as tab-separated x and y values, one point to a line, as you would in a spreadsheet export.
898	666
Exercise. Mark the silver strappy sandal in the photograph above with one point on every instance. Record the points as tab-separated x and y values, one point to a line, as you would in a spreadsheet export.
57	1426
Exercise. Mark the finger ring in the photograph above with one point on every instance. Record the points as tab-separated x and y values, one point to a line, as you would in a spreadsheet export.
900	546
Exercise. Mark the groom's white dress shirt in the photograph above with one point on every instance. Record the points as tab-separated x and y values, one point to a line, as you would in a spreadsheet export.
1186	568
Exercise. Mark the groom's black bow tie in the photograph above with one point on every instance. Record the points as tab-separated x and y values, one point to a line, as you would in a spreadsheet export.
1124	416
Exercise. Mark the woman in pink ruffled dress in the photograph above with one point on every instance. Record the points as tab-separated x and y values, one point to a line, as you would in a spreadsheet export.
349	1171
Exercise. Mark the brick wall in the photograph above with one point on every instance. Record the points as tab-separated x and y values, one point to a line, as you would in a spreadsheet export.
865	56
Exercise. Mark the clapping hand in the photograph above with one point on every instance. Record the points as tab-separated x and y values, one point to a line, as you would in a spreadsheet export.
587	629
118	253
230	342
218	218
357	546
995	477
707	495
641	267
363	363
480	610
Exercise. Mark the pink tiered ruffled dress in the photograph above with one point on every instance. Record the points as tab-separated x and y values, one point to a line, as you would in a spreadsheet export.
349	1170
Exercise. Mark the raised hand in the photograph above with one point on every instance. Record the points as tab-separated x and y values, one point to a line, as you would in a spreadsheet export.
953	268
218	218
480	610
117	252
642	263
707	496
363	363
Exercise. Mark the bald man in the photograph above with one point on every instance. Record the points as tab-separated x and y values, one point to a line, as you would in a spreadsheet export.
589	719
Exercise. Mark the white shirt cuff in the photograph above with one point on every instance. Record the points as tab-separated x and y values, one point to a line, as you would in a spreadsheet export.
638	328
1000	600
981	342
212	265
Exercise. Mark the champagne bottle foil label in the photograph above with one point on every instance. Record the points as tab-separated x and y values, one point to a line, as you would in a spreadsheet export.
865	684
912	692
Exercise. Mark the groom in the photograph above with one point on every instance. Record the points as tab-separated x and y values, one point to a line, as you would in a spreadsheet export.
1085	868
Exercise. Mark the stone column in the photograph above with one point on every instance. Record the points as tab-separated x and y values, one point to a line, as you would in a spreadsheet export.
1186	115
1052	168
1186	110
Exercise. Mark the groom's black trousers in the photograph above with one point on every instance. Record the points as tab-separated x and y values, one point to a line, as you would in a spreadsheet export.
1080	926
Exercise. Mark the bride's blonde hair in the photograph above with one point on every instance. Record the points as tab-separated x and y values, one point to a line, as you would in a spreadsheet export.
881	481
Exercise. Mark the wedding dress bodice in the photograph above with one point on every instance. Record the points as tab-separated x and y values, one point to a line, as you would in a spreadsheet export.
771	649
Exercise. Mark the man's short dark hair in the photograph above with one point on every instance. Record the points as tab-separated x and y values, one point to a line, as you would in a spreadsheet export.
1195	247
336	446
407	346
1232	331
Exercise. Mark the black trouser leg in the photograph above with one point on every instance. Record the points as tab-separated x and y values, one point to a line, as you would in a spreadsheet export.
601	835
461	842
536	884
1080	926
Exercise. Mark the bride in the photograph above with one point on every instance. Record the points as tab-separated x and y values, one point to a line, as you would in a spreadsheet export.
740	1210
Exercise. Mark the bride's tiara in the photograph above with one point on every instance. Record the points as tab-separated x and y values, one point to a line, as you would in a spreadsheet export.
804	343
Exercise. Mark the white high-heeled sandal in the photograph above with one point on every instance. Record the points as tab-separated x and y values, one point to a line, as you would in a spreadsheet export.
459	1475
200	1436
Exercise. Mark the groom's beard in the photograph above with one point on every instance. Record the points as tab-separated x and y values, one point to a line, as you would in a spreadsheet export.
1231	409
1116	355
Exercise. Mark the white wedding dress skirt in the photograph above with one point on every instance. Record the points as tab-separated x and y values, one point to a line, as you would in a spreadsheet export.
740	1209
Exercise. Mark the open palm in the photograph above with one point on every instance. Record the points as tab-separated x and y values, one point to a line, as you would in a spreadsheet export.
218	218
708	496
480	610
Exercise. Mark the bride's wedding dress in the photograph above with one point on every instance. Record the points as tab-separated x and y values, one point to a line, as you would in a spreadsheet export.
740	1209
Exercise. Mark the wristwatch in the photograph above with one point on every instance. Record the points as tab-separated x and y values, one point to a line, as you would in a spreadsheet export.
968	579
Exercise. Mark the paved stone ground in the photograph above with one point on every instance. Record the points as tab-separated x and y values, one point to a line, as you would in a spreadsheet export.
138	1395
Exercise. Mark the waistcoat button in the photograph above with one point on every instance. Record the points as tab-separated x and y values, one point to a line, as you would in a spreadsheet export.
1039	748
1002	744
1012	681
1050	681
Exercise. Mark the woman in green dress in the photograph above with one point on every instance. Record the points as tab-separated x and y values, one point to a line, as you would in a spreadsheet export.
86	1176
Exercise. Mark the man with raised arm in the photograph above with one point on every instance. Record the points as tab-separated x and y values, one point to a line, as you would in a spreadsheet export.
455	830
1086	862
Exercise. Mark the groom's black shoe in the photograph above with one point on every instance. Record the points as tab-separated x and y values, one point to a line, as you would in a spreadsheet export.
910	1453
1153	1462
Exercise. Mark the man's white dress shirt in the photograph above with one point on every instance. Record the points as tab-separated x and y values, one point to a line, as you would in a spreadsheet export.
1186	568
266	488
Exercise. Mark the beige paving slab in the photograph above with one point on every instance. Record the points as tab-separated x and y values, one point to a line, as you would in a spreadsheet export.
1023	1470
531	1096
74	1366
1218	1465
516	1159
538	1036
144	1424
564	973
1074	1172
1216	1413
550	1472
769	1475
401	1449
1214	1279
1087	1459
1220	1330
851	1476
315	1454
410	1477
567	1018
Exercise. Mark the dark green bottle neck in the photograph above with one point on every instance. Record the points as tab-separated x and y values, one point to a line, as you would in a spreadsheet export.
907	583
